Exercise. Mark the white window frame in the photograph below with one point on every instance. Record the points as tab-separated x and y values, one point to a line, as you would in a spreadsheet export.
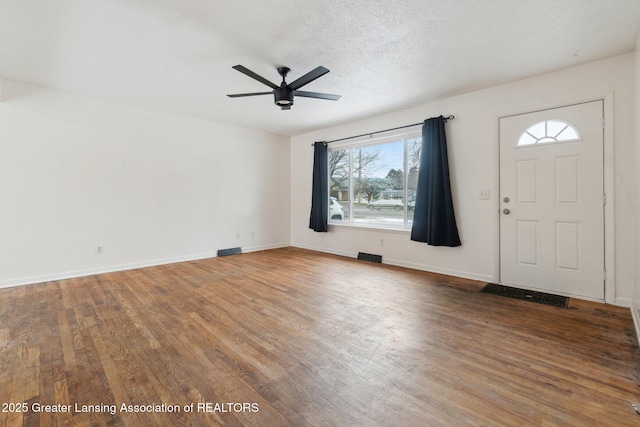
369	142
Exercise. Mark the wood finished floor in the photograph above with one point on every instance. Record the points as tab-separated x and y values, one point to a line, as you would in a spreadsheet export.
311	340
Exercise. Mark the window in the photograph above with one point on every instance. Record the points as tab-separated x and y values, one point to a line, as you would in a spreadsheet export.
549	131
368	183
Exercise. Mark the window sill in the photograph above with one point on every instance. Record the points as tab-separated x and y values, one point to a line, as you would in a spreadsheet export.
371	227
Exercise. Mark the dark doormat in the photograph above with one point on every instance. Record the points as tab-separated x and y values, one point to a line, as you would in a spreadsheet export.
523	294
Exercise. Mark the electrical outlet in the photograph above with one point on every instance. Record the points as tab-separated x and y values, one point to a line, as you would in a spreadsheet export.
237	236
484	195
381	242
99	248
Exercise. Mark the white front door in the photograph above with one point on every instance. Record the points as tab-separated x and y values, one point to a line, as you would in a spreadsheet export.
551	201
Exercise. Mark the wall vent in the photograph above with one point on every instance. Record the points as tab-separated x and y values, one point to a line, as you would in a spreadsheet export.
370	257
230	251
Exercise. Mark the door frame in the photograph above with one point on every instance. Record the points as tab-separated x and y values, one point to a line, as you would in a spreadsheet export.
609	179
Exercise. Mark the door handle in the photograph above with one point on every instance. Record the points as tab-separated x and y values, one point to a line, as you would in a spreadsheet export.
506	211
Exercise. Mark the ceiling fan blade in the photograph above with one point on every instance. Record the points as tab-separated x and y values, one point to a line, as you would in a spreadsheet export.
238	95
248	72
316	95
308	78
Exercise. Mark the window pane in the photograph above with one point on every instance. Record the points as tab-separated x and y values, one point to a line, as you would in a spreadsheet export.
554	128
545	140
413	165
379	184
368	184
339	185
526	139
569	134
549	132
539	130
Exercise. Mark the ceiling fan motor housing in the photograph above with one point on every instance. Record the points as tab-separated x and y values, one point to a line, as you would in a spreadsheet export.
283	96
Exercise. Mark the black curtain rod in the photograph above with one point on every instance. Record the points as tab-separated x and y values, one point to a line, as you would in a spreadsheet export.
450	117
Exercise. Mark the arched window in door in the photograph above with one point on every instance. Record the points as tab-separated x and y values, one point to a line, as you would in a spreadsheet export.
548	132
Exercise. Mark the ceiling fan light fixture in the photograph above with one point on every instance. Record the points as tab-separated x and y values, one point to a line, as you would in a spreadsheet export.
283	96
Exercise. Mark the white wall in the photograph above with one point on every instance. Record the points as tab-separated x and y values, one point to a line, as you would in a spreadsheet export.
473	156
150	187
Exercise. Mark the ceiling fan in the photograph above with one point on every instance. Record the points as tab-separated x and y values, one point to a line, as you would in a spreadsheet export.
284	93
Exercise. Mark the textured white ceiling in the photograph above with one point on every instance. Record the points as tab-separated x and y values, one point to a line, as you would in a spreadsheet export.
176	56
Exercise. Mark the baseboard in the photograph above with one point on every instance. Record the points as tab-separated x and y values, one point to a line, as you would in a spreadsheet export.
8	283
326	251
438	270
635	314
101	270
623	302
399	263
265	247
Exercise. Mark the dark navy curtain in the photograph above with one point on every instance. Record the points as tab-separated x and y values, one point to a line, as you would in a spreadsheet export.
434	221
320	191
